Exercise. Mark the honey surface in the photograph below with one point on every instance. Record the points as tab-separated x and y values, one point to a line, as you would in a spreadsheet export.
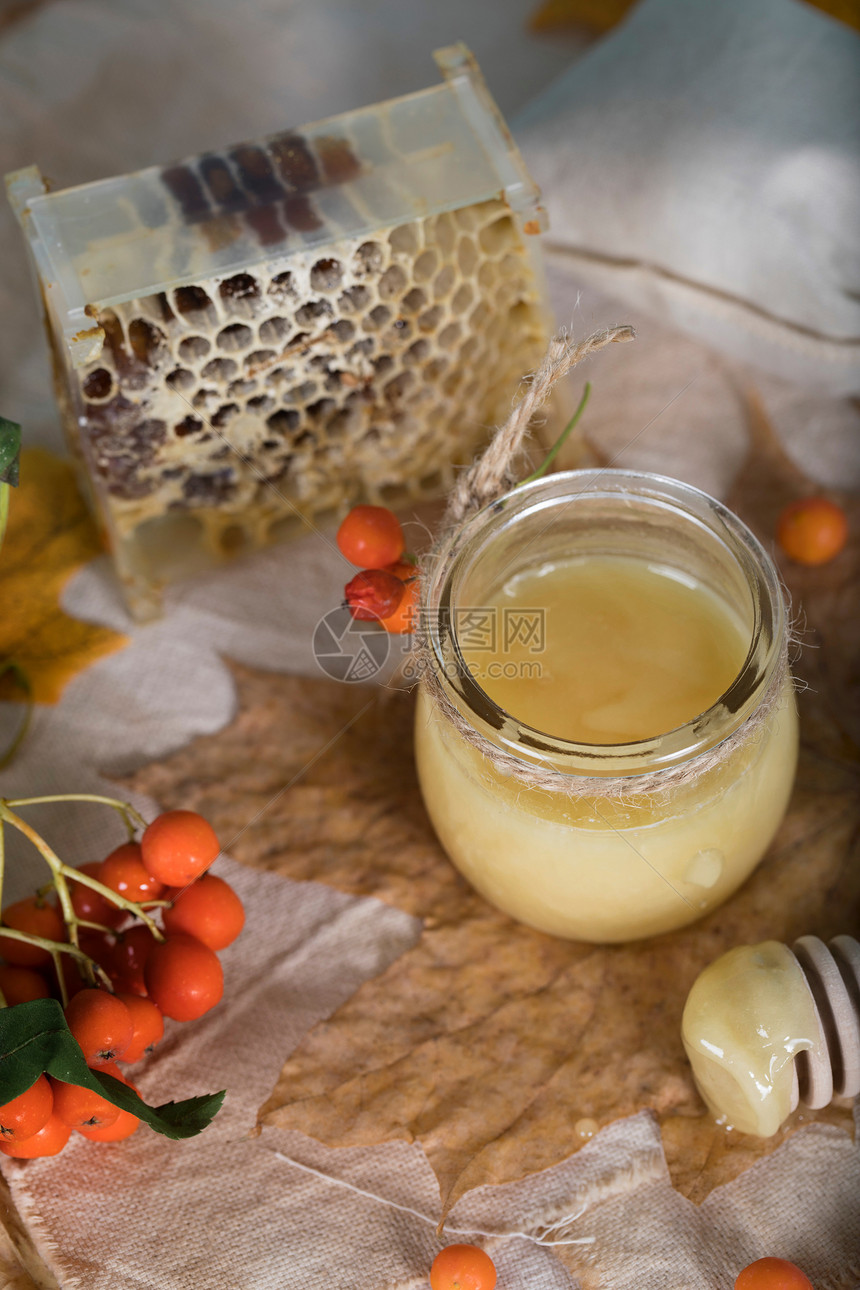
629	650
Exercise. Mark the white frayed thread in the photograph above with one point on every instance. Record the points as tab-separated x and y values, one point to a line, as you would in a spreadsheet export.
544	1234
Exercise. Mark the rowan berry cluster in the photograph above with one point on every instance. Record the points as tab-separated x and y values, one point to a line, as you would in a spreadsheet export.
122	944
386	589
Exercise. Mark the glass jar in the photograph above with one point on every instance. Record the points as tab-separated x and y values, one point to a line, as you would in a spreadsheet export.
616	841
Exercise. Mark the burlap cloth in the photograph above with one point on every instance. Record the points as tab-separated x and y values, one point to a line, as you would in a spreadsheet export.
227	1209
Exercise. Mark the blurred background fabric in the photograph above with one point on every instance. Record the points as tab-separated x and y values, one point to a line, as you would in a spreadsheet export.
703	161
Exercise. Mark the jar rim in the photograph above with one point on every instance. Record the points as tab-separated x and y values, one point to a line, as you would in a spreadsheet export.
728	712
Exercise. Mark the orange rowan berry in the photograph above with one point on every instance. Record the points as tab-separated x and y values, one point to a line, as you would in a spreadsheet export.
404	620
21	985
121	1128
209	909
27	1113
462	1267
772	1274
148	1026
102	1025
178	846
81	1108
184	977
371	536
92	906
123	871
49	1141
38	917
812	530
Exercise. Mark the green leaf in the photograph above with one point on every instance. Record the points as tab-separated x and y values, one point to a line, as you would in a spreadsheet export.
35	1038
10	448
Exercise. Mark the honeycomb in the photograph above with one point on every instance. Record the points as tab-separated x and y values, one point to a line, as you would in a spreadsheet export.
221	410
256	336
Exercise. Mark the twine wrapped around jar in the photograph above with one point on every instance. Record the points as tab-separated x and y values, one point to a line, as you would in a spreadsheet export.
489	478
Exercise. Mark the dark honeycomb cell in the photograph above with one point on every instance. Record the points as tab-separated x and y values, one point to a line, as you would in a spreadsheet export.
338	160
240	294
219	369
235	337
225	413
398	387
259	359
284	421
124	481
417	352
302	393
414	300
188	425
210	489
98	384
362	348
326	275
193	348
392	282
353	299
242	388
204	399
311	313
145	340
343	330
220	181
383	365
294	162
297	342
194	304
184	185
255	172
369	258
265	223
377	318
300	215
317	411
281	287
273	330
261	403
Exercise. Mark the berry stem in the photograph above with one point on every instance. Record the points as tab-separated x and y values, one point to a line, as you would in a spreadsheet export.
133	819
61	874
559	443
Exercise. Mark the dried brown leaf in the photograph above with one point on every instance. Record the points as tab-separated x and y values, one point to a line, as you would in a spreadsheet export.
488	1042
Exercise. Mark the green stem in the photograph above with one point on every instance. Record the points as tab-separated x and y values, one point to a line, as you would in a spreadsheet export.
4	510
559	443
126	810
61	872
58	948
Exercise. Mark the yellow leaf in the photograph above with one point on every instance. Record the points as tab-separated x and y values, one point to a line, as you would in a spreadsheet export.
599	14
50	535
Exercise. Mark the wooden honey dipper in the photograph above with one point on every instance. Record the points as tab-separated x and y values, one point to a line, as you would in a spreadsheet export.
767	1027
833	975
